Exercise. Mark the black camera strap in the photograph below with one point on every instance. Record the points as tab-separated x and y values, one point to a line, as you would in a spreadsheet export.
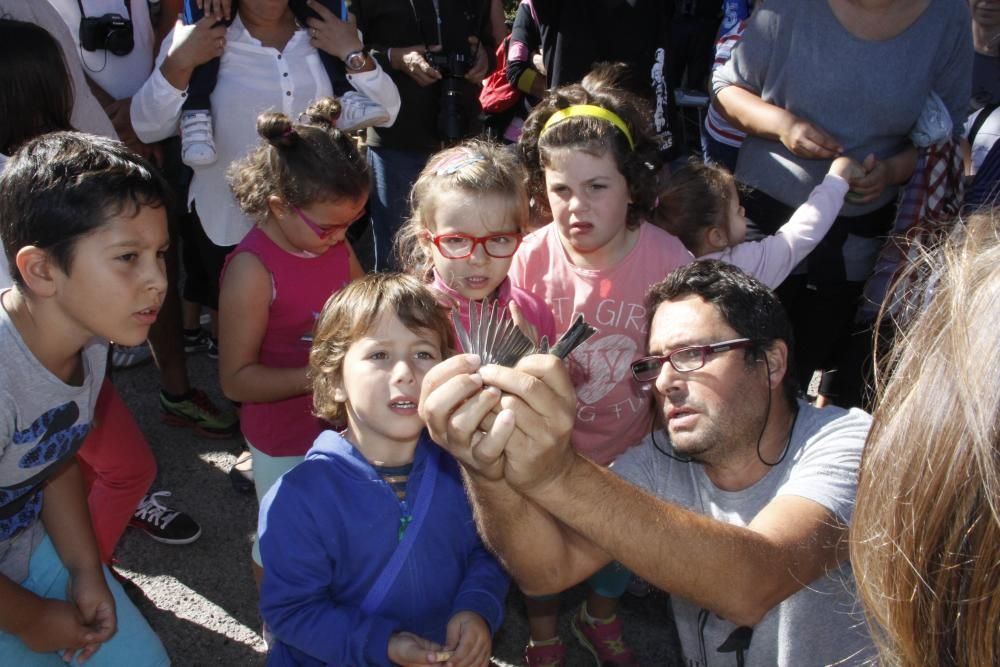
127	3
429	26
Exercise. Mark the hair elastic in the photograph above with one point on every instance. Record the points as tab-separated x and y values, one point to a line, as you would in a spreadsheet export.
593	111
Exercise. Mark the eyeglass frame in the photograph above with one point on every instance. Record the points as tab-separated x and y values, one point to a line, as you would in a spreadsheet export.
705	350
323	232
476	240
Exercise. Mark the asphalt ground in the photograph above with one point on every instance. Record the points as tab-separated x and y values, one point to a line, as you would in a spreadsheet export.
200	598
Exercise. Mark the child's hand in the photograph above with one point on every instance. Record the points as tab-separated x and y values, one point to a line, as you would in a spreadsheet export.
96	606
869	185
526	328
55	625
406	649
847	168
469	639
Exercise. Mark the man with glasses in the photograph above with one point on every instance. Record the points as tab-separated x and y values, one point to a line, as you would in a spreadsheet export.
738	507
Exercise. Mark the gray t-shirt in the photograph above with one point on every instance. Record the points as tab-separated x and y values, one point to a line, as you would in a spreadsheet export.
867	94
43	422
823	622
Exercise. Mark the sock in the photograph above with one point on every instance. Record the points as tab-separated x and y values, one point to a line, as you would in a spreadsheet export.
590	620
544	642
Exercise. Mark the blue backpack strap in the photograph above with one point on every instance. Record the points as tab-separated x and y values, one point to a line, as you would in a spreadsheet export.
389	573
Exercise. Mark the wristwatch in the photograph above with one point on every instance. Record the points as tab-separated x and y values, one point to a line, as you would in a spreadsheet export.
356	60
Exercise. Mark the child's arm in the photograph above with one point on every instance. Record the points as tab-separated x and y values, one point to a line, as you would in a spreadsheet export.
244	302
67	521
295	596
772	259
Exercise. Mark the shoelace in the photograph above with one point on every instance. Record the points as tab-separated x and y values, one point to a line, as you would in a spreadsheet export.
152	511
201	400
197	127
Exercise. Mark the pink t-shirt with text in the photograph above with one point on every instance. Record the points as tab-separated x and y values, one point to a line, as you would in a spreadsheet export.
613	411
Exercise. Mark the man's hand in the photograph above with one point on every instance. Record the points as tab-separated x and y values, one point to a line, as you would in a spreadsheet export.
480	67
468	639
407	649
459	413
809	141
89	592
540	396
410	59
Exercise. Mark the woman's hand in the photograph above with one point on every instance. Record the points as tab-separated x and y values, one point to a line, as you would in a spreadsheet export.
867	187
809	141
220	9
192	45
328	33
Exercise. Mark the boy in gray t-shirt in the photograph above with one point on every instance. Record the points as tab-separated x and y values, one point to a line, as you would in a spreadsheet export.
822	623
84	230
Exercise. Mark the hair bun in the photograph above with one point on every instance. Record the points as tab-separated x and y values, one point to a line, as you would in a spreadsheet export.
324	111
275	128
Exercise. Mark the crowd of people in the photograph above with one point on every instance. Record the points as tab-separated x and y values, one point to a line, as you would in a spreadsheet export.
785	415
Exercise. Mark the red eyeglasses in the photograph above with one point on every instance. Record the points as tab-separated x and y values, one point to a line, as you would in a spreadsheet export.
460	246
325	232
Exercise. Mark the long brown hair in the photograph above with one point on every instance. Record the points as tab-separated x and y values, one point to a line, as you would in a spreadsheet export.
925	544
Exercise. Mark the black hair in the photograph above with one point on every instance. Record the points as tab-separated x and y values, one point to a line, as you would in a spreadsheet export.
745	303
62	186
36	95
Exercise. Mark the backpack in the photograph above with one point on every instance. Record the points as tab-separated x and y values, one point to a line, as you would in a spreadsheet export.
498	94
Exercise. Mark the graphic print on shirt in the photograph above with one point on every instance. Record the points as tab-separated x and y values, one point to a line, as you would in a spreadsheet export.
737	642
600	364
54	435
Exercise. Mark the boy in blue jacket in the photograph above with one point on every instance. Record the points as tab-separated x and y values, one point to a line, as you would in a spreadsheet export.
370	550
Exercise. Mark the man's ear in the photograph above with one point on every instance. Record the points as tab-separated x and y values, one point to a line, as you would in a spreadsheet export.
777	363
38	270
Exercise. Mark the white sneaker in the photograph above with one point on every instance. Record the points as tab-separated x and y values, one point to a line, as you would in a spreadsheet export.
197	140
358	111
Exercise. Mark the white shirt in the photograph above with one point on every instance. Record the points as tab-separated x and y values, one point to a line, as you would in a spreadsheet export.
5	279
253	78
118	76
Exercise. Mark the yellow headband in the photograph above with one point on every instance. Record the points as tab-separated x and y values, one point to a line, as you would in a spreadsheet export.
594	112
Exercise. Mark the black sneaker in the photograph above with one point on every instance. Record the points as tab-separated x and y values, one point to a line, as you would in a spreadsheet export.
162	523
197	341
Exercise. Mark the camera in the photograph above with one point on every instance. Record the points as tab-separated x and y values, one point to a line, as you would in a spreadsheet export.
111	31
453	66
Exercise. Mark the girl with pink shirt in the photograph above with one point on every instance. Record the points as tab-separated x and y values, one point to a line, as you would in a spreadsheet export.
593	165
469	210
305	184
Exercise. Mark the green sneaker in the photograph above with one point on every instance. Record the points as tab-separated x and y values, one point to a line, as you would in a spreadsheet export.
198	412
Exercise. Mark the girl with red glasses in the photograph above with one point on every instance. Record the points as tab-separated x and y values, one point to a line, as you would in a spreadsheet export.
304	185
469	209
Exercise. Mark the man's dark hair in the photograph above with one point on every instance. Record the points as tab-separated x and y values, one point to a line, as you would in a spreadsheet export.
745	303
62	186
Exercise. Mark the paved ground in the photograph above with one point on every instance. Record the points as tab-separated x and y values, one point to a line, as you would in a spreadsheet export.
201	599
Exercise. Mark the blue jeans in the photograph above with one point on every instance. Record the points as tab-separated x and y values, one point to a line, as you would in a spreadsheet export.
134	643
393	174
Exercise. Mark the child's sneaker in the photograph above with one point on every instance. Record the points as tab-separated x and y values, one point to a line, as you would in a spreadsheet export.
197	140
604	641
358	111
545	655
198	412
164	524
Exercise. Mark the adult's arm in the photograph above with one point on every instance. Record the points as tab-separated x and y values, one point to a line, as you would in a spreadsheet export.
738	573
156	107
525	41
